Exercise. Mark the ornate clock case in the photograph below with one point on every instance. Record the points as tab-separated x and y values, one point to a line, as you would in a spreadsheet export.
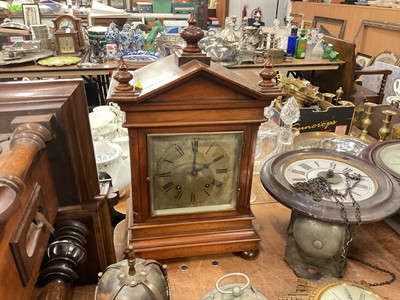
192	131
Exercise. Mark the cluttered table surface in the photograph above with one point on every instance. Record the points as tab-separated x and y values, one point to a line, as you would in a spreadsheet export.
193	277
34	70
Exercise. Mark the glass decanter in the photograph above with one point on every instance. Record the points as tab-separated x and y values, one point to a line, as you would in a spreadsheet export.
229	33
289	115
318	50
266	138
311	42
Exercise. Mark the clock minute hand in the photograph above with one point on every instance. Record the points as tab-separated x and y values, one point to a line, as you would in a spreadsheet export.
206	165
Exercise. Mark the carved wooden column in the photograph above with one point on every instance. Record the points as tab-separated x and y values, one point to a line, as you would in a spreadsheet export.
27	140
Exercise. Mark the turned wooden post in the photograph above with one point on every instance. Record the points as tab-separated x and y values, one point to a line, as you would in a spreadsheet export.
27	140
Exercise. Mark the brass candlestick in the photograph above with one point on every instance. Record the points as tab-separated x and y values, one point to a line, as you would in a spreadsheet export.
366	122
328	97
345	103
339	93
384	131
396	131
358	113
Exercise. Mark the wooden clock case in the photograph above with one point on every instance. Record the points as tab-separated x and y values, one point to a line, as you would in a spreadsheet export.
75	31
189	97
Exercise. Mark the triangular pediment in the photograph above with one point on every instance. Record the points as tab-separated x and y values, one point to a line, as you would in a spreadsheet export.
164	80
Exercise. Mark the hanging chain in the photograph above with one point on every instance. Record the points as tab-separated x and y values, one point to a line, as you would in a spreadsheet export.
320	188
386	282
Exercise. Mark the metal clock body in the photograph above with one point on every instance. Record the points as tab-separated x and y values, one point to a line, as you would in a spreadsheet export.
194	172
321	227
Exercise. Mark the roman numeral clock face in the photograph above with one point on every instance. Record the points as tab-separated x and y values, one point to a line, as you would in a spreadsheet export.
194	173
292	179
306	169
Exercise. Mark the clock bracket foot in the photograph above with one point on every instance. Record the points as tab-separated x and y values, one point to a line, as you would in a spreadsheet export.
248	254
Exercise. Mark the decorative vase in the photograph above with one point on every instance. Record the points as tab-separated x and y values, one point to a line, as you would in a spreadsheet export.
126	38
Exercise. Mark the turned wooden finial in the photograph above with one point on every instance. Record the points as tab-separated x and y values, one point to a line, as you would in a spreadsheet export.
267	74
192	35
123	76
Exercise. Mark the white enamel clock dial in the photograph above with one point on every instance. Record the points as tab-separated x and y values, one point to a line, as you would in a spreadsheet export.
390	157
385	155
331	289
346	291
192	173
375	193
303	170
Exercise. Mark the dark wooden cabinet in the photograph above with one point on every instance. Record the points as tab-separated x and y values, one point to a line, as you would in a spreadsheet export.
61	183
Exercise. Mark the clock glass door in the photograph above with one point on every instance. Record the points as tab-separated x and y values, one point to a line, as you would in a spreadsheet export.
194	172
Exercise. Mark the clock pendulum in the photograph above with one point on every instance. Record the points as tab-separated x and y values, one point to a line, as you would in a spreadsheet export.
330	194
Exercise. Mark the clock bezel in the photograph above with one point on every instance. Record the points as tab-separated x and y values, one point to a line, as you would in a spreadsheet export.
319	293
372	154
377	207
314	290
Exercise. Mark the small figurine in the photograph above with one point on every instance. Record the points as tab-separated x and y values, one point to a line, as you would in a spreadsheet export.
149	42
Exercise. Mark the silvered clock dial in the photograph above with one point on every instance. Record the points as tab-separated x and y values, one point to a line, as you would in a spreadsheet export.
195	172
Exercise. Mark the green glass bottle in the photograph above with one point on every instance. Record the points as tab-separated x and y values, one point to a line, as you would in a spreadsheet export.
301	45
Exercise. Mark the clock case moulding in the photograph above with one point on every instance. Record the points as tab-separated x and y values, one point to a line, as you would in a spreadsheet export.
186	94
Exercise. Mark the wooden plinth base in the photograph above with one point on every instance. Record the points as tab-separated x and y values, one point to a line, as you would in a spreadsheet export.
162	241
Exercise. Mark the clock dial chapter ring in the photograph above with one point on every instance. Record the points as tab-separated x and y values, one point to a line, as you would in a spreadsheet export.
194	172
375	194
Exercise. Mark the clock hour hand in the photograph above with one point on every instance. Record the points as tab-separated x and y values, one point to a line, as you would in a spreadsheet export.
195	149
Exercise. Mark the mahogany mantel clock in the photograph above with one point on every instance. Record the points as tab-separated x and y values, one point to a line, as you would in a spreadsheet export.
192	132
69	28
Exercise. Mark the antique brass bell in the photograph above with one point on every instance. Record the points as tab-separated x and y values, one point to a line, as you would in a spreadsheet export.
133	278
